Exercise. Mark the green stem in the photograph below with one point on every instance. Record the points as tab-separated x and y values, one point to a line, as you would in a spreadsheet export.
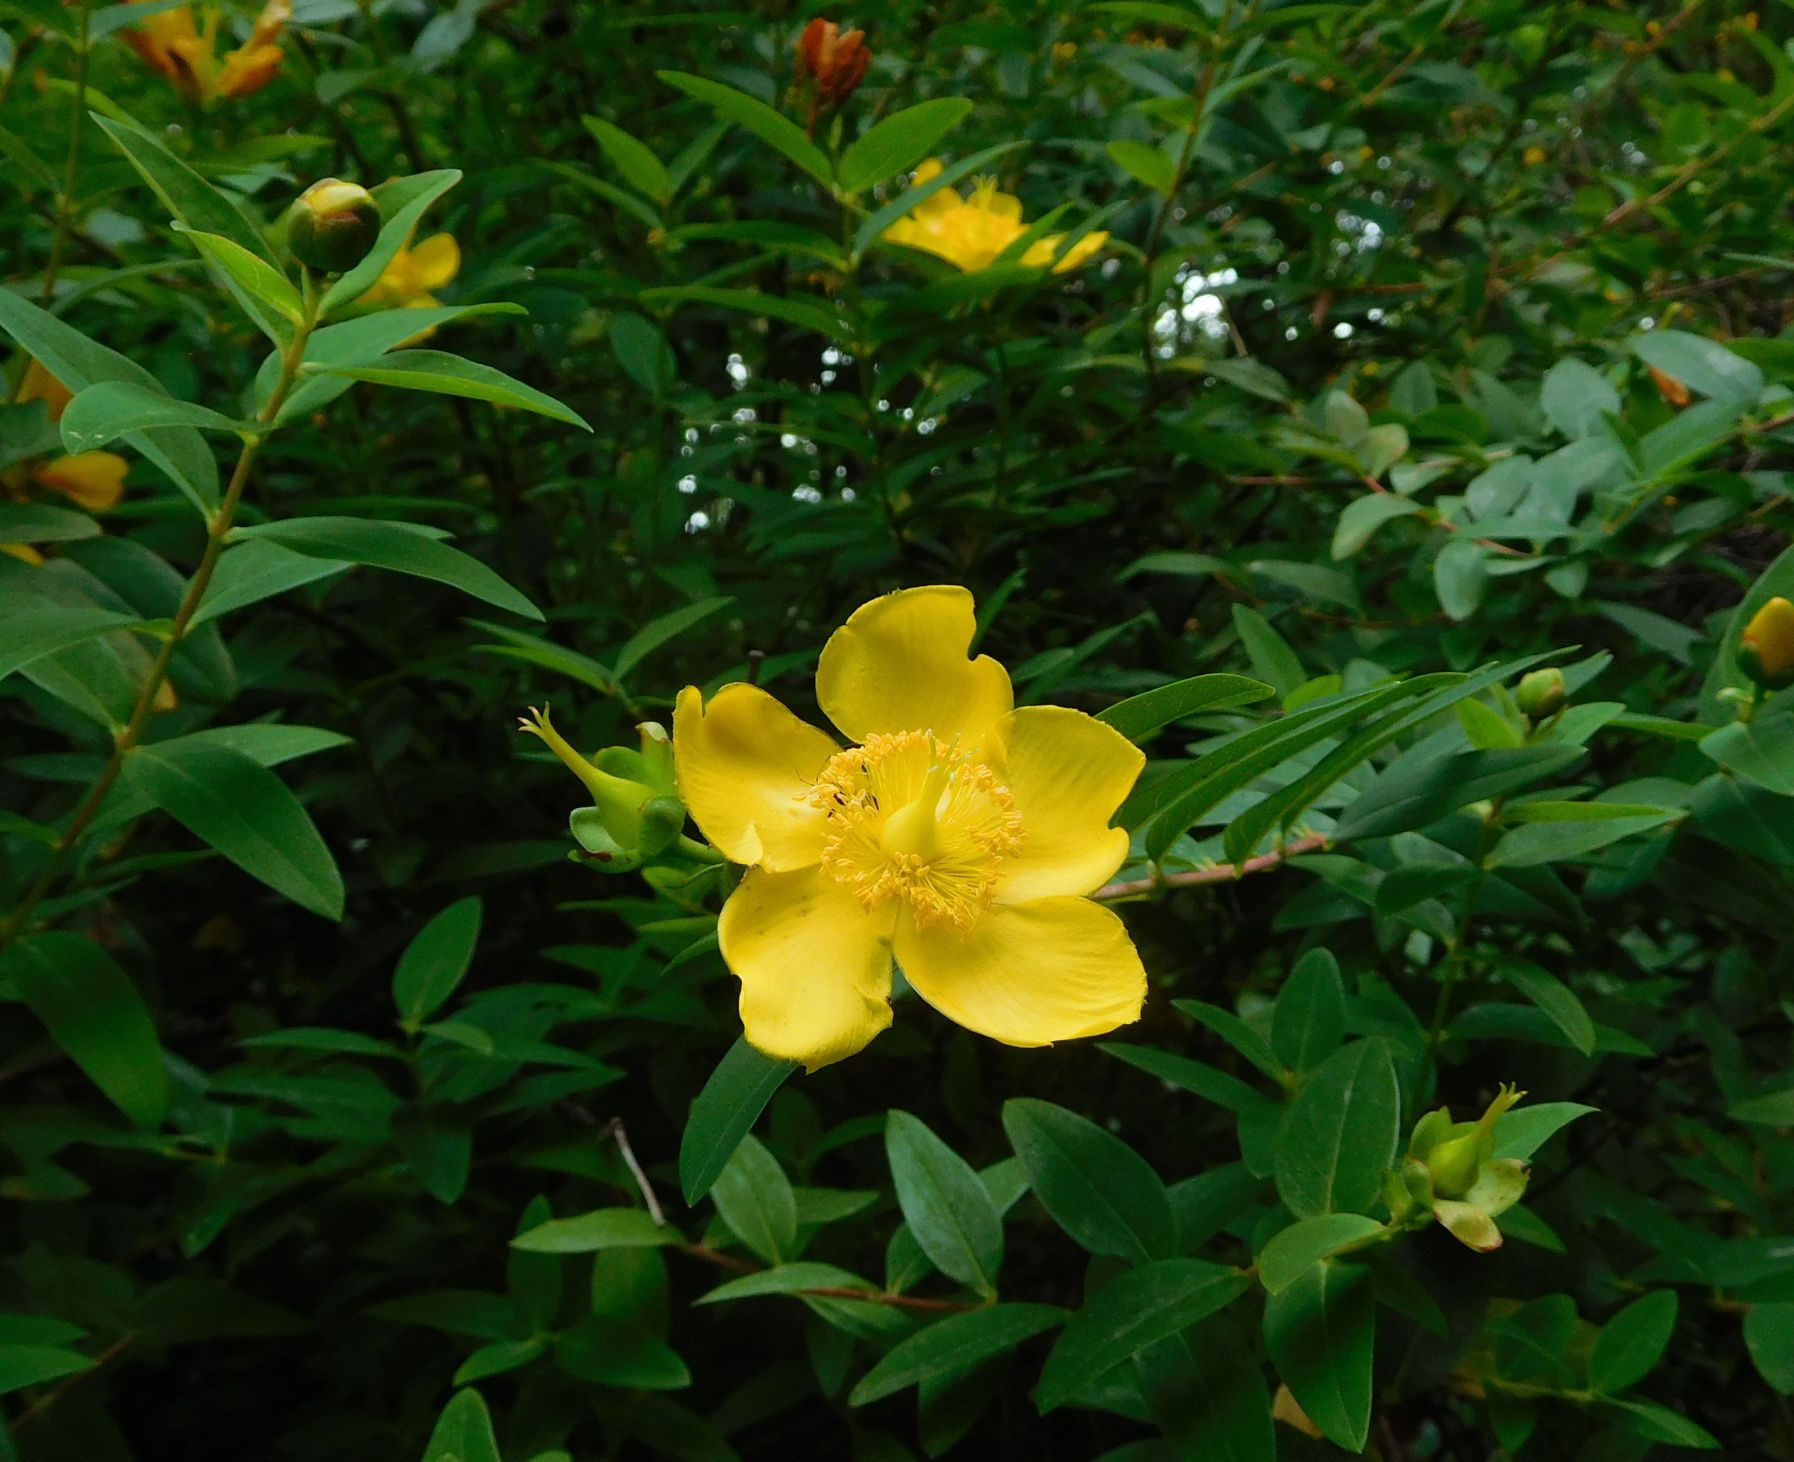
65	201
217	532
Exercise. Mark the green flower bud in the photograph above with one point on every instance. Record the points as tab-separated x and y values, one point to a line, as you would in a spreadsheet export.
1541	693
332	225
1766	649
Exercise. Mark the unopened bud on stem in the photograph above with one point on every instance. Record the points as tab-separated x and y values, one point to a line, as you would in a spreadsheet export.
332	225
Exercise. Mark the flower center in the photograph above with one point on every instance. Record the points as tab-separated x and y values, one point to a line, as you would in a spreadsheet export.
912	818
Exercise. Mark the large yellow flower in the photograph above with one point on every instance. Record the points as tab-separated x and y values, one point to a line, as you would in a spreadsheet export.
972	231
960	835
186	51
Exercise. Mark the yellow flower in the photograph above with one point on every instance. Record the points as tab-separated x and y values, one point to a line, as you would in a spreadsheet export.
960	836
186	51
1767	647
1533	156
92	480
971	232
414	273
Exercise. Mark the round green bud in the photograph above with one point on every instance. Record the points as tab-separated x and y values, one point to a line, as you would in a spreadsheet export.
332	225
1541	694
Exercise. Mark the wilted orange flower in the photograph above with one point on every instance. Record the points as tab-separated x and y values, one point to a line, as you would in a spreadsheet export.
1670	389
834	59
185	50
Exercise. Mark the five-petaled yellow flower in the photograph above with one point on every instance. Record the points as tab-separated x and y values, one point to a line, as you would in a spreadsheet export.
960	835
972	231
186	51
92	480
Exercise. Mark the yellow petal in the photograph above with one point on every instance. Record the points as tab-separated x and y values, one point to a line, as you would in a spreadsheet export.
1028	974
38	384
901	663
95	480
745	766
815	968
22	551
435	262
248	70
1068	773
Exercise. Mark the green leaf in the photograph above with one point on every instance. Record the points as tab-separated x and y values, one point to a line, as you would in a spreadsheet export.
1272	658
79	363
1420	788
785	1279
772	128
1340	1133
899	142
32	1365
641	349
1659	1424
1363	516
1293	1251
395	546
498	1357
1577	398
1309	1020
953	1345
443	374
808	312
242	809
664	628
435	961
1140	715
1242	1037
1144	163
1574	837
437	1149
732	1099
112	409
1632	1342
252	571
1135	1309
1193	1076
755	1199
1700	364
603	1228
254	275
463	1432
1523	1130
1095	1187
1761	750
1769	1337
34	630
42	523
95	1015
1321	1334
946	1206
1215	1408
402	203
1556	999
1460	574
640	168
611	1352
1771	1109
190	198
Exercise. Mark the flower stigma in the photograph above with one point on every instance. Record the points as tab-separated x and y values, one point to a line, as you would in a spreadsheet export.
911	818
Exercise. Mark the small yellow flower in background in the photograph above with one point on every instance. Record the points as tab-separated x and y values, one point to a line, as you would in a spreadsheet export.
971	231
960	836
1064	51
415	273
1766	649
1534	155
186	51
92	480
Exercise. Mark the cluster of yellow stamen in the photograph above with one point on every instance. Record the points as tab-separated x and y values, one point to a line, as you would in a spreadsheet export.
913	818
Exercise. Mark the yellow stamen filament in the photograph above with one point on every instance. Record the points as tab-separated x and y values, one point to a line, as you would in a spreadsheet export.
913	819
